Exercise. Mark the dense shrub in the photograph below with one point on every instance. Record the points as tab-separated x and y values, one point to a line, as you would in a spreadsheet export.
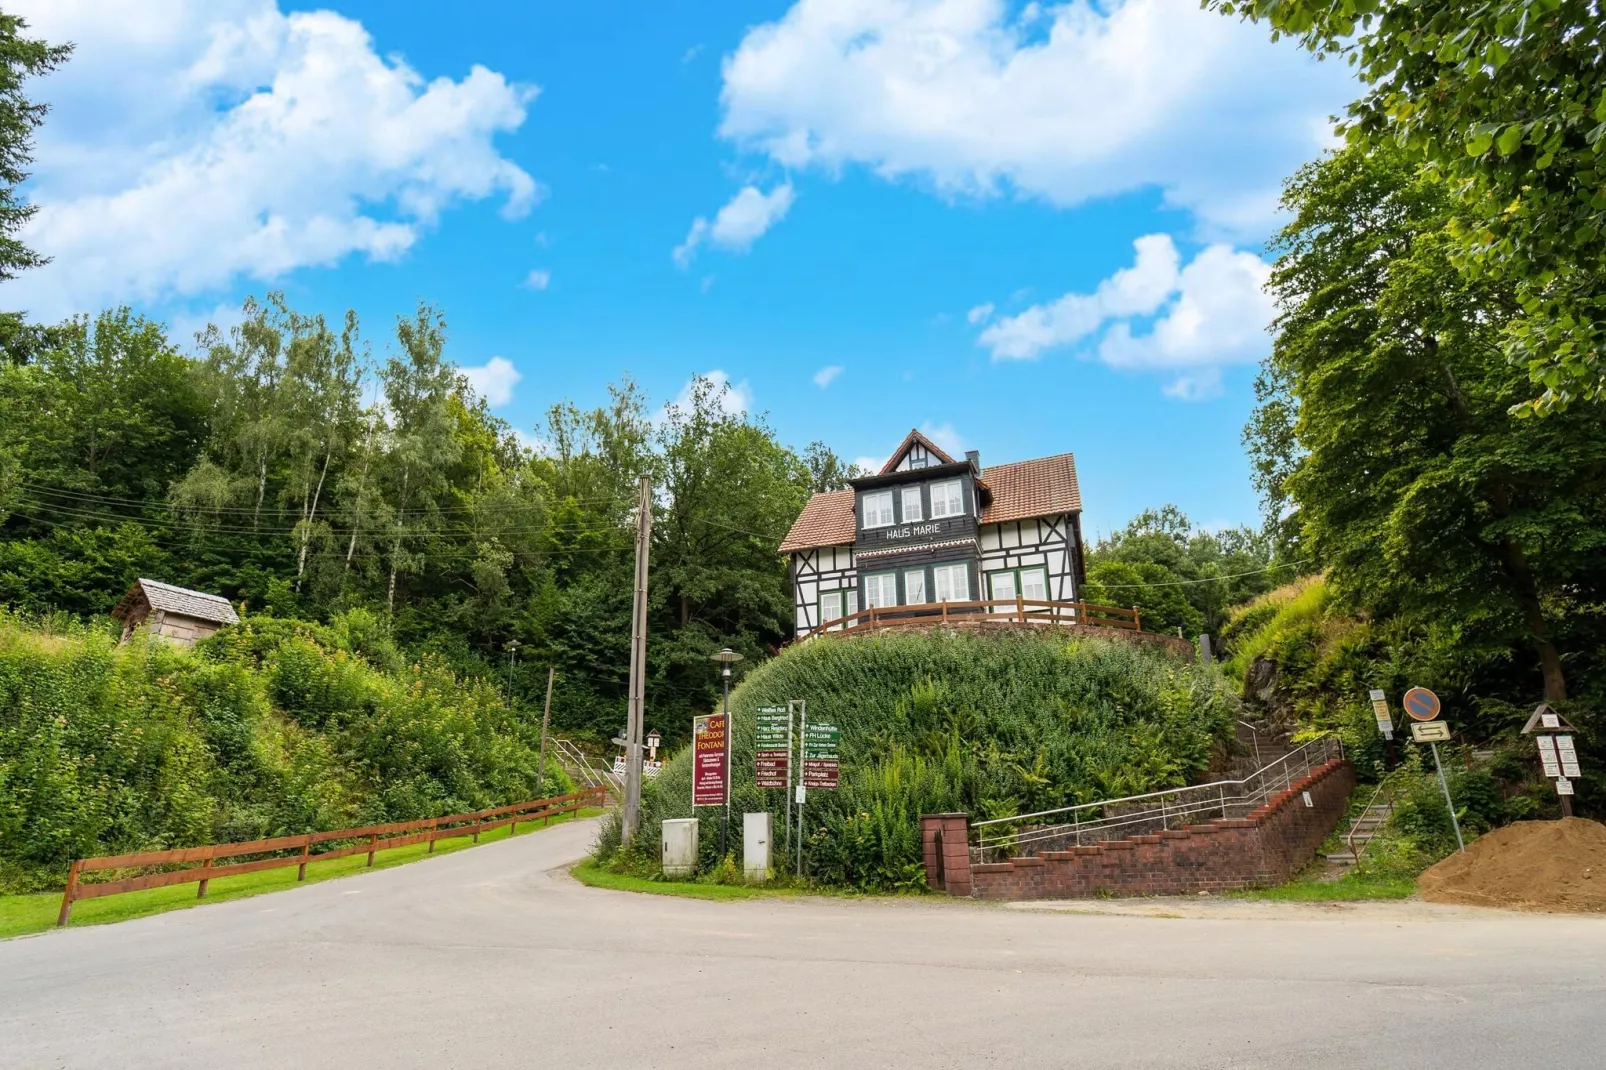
992	725
270	728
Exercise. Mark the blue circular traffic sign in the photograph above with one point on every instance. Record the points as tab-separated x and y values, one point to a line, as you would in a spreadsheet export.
1421	704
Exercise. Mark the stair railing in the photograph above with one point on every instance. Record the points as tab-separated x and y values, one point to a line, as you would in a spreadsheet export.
1385	789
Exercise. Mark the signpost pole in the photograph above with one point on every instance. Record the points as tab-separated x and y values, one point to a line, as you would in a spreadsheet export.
786	799
1447	802
802	792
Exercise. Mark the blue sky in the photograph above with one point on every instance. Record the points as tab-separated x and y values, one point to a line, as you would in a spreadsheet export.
1027	228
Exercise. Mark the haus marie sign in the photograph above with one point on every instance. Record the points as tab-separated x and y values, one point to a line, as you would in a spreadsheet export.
913	531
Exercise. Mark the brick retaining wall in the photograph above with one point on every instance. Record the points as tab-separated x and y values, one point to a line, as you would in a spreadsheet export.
1267	847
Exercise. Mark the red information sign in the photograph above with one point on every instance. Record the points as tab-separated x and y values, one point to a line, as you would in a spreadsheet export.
771	768
708	782
820	773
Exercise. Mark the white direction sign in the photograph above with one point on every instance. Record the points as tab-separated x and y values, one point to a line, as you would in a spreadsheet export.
1548	757
1568	756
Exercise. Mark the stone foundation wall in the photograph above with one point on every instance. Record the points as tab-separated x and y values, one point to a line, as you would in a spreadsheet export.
1267	847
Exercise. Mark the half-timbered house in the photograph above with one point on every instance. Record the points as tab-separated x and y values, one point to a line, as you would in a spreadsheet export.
931	529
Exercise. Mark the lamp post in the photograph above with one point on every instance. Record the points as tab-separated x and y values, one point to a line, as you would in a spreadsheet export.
726	658
512	648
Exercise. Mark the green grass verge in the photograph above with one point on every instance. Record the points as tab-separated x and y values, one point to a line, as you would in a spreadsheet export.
1349	887
23	914
590	873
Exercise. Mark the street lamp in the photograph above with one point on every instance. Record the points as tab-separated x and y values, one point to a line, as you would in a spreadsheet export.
726	658
512	648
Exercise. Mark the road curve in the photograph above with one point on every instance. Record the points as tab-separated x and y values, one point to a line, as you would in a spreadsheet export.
494	957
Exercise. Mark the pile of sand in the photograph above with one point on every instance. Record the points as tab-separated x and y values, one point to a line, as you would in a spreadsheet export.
1531	865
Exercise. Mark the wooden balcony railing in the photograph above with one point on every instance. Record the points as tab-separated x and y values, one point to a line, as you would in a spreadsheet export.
1029	611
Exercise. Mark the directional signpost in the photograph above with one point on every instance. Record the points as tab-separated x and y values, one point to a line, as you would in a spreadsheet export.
772	747
1557	753
820	760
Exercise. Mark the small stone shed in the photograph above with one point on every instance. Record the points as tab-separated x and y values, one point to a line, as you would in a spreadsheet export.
177	614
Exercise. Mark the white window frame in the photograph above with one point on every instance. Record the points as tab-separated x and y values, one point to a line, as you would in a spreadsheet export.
948	498
943	575
1023	585
877	593
846	601
875	520
916	513
917	576
1007	575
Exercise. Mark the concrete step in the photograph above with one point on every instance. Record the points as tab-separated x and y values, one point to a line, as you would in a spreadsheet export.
1340	858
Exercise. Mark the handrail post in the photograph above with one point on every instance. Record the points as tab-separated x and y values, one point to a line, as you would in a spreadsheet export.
67	896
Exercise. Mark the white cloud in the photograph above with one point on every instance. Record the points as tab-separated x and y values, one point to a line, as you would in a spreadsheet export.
532	442
870	464
538	279
827	375
741	222
195	142
980	314
947	439
1156	314
1135	291
1065	102
1205	385
735	399
494	380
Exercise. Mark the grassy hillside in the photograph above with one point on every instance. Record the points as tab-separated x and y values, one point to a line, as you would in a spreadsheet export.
271	727
992	725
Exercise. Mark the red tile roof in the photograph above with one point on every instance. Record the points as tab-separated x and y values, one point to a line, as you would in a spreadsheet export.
1020	491
827	520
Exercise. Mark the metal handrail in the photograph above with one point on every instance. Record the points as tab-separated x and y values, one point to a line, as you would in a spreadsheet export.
1349	839
1218	798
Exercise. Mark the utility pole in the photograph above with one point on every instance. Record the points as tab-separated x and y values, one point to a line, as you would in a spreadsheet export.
546	719
638	666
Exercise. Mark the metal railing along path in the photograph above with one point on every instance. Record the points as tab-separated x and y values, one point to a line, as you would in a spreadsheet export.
1138	815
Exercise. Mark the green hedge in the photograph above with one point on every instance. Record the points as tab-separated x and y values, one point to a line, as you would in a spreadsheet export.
270	728
993	725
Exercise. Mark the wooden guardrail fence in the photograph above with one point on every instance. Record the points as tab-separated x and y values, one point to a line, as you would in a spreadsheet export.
379	837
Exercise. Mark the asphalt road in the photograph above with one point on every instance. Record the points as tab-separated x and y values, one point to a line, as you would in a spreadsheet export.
493	957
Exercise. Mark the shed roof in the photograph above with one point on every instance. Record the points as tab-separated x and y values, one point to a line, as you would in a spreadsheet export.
180	600
1021	490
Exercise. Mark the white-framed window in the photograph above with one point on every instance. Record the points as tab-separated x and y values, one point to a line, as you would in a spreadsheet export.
911	504
951	583
914	587
1034	583
1002	584
947	499
878	509
834	605
881	590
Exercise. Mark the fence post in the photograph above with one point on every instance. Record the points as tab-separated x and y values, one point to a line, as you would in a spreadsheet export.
67	896
476	830
371	841
1020	608
306	853
1137	620
200	892
434	830
513	826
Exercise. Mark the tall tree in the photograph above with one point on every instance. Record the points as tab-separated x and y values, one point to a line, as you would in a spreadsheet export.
419	384
1505	100
21	58
1385	422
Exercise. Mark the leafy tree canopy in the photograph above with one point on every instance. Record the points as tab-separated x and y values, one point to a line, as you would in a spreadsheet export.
1505	102
1384	436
